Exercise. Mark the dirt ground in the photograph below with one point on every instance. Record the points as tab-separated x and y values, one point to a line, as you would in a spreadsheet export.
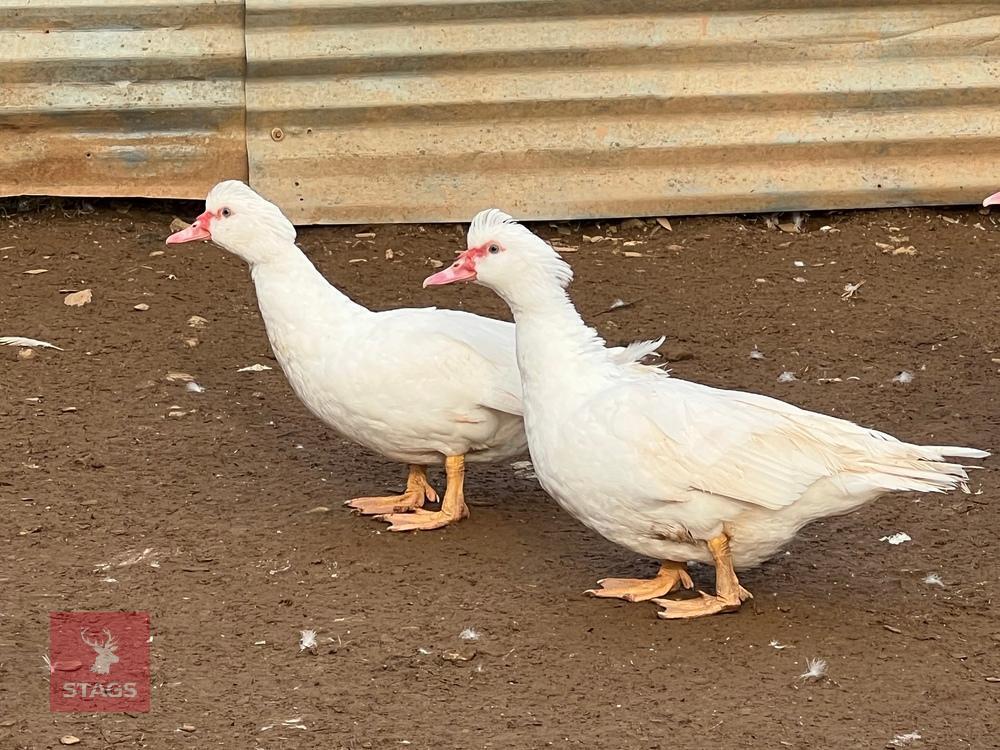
105	460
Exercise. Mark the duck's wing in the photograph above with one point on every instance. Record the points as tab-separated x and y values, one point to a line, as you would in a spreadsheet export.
477	354
765	452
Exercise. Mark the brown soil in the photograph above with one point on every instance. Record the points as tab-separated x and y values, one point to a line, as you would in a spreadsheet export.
221	497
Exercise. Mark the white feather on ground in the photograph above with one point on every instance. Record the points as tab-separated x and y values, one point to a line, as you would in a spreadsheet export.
815	668
22	341
898	538
307	639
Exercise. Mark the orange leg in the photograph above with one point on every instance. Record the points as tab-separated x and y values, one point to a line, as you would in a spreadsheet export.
417	491
672	575
453	507
729	595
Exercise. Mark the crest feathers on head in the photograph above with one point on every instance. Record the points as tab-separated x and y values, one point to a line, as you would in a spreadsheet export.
243	199
496	225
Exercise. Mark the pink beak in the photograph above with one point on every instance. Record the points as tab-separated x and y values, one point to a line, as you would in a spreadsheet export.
197	231
463	269
993	200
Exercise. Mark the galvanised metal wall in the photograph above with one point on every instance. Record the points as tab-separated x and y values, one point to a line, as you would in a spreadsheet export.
374	111
124	97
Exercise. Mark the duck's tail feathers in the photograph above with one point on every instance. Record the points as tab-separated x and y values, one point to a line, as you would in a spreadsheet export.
940	451
928	471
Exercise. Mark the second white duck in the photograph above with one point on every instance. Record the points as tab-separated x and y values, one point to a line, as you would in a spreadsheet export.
670	469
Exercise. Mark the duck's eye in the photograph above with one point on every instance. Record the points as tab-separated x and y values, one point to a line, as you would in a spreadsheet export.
226	212
494	249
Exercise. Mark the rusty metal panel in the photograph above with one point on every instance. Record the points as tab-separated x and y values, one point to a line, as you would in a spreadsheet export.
429	110
121	97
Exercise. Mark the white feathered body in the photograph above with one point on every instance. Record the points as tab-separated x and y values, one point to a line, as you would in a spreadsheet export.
662	466
412	384
659	465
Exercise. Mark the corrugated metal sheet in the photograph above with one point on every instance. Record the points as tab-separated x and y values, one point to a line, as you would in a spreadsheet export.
421	110
123	97
413	110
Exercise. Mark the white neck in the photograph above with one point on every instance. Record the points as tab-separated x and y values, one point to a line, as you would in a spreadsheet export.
293	295
555	348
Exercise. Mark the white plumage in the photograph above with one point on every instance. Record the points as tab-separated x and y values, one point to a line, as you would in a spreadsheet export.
418	386
671	469
23	341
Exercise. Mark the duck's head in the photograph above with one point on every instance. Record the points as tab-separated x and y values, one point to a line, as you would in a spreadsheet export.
242	222
993	200
504	256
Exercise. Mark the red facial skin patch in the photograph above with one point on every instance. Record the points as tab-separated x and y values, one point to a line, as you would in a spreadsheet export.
463	269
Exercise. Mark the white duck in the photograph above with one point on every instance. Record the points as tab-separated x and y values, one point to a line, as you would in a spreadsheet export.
419	386
671	469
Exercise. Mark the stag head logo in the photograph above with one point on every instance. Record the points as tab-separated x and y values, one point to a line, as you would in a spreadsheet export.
100	660
106	655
